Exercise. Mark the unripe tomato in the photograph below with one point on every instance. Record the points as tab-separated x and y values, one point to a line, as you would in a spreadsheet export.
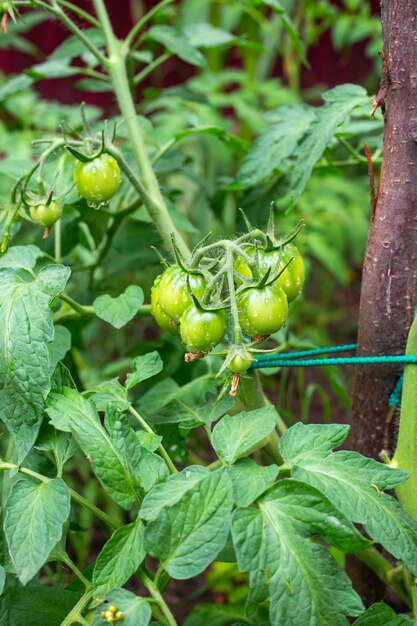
291	280
240	362
202	330
99	179
160	318
46	215
263	311
173	292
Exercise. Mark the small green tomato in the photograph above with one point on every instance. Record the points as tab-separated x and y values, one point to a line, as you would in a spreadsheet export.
173	291
46	214
97	180
292	278
202	330
263	311
240	362
160	318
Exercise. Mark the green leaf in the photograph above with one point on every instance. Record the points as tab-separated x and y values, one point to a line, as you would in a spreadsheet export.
72	47
52	69
24	606
110	392
35	515
379	614
144	367
119	311
14	85
61	444
250	480
187	536
21	257
2	578
26	329
204	35
273	545
239	435
136	610
119	559
171	491
70	412
289	26
271	149
339	103
190	414
60	345
176	42
354	484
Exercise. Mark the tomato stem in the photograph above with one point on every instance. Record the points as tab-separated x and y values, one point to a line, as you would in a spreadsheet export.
116	65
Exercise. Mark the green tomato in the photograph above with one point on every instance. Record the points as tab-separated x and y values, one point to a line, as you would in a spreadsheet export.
99	179
291	280
263	311
240	362
202	330
161	319
173	292
46	215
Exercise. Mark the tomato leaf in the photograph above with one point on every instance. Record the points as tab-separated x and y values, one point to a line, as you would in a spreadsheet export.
354	484
21	257
69	411
380	613
171	491
35	515
59	346
339	103
136	610
176	42
270	151
273	544
2	578
144	367
239	435
26	329
187	536
36	603
250	480
119	559
119	311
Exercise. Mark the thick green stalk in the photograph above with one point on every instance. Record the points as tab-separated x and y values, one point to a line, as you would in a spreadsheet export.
385	572
116	66
155	593
160	449
405	456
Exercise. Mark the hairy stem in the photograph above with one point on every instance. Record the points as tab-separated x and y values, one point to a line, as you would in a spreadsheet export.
117	52
156	595
164	454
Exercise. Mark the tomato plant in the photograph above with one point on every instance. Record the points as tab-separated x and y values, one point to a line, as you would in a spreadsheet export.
136	456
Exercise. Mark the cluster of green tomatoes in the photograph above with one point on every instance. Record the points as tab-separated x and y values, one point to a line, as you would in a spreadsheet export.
242	305
96	180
